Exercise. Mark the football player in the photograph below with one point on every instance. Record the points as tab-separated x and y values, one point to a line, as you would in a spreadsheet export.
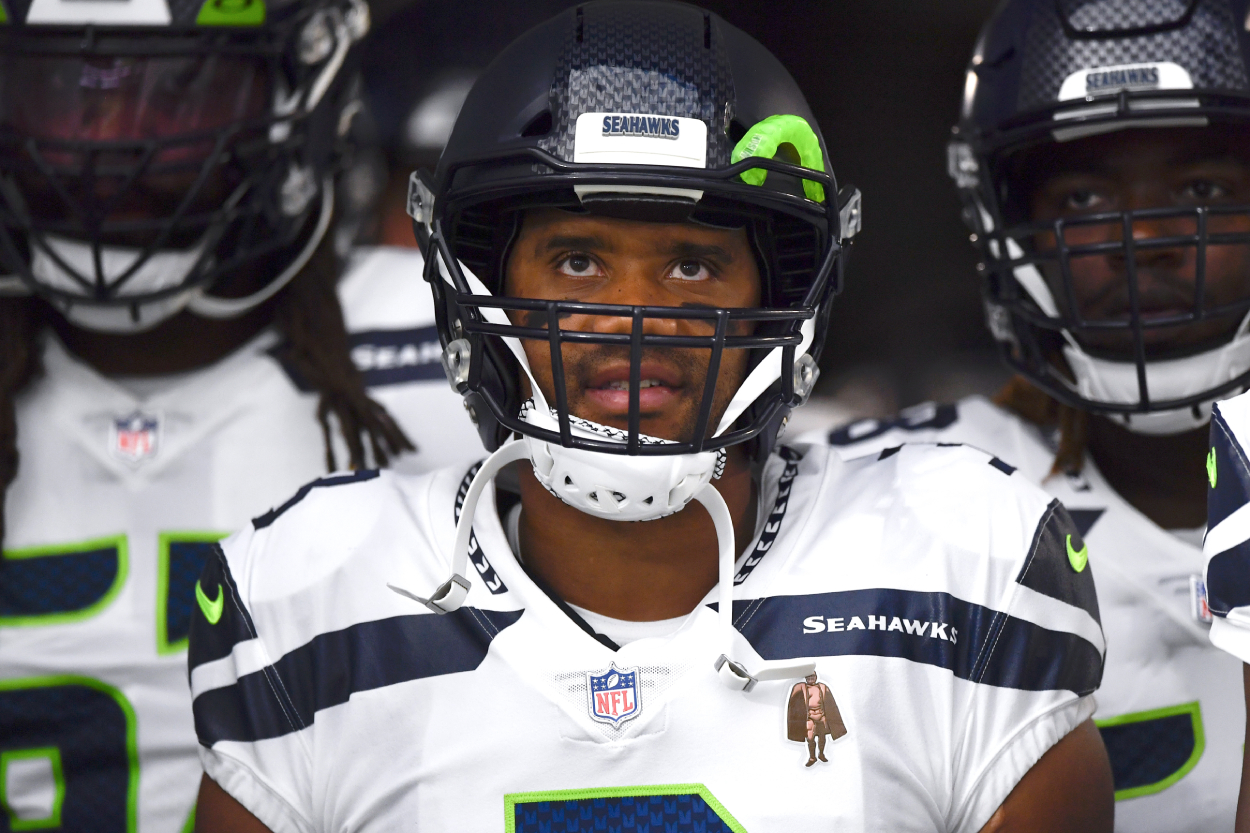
173	361
1103	161
634	240
1226	545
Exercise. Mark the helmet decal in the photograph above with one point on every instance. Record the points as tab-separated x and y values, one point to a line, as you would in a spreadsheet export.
231	13
74	12
767	137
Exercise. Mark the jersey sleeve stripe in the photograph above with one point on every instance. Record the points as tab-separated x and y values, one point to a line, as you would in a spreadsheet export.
1049	568
973	642
1228	579
326	671
217	640
1232	472
337	480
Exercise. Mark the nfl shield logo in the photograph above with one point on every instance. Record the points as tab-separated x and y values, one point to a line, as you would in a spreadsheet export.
134	437
614	695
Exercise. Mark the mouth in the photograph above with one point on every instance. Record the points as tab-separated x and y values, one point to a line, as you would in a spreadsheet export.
658	387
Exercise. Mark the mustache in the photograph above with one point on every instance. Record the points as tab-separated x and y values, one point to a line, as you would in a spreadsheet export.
1155	291
581	365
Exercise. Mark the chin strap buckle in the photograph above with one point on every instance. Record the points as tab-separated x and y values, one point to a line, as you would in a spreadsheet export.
448	597
736	677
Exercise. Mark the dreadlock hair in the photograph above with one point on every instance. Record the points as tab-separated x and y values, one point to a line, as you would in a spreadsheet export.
21	320
314	348
1030	403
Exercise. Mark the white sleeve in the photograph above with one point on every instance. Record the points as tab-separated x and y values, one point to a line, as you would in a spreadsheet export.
1038	660
1227	543
252	732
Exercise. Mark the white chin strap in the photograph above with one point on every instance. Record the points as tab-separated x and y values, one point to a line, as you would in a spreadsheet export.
162	270
1115	383
617	487
451	594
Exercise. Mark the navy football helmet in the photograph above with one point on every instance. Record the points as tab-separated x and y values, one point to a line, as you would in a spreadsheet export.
1049	72
151	151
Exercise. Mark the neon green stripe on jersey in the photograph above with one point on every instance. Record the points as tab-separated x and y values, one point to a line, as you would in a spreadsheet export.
231	13
4	14
53	756
1193	711
684	803
766	137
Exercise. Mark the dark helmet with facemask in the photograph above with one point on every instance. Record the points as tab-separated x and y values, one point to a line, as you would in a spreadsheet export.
643	111
636	110
161	155
1048	72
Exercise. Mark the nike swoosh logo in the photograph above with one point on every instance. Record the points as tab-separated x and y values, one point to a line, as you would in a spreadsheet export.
1078	560
212	607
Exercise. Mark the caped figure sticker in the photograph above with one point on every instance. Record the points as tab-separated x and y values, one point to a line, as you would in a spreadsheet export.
614	695
811	715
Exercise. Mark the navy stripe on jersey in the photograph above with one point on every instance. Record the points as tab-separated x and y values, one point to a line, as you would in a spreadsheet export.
382	357
325	672
772	526
392	357
334	480
1228	579
919	418
974	643
478	558
1232	473
212	641
1085	519
1049	570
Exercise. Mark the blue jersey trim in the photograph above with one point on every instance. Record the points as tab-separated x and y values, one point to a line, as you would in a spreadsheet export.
328	670
335	480
974	643
1232	480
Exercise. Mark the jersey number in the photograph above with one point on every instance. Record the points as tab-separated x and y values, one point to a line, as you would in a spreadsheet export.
67	754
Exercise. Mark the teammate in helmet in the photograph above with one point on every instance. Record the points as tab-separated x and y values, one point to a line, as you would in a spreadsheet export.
634	241
1226	545
1102	159
173	361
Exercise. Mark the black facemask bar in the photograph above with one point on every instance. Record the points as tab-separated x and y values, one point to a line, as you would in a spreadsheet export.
1031	338
518	176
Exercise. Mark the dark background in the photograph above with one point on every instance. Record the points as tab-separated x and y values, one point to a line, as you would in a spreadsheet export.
884	79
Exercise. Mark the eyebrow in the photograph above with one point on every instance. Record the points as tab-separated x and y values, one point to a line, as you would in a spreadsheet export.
562	242
681	248
684	248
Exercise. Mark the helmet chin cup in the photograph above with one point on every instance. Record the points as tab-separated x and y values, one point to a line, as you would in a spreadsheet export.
616	487
1117	383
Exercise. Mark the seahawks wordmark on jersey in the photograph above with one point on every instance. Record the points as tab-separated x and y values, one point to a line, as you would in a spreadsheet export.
119	495
953	643
1170	707
1227	544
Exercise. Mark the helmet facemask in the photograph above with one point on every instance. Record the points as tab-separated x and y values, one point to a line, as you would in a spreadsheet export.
160	162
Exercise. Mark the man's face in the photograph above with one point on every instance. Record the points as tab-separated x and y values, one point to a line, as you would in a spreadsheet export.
1140	169
572	257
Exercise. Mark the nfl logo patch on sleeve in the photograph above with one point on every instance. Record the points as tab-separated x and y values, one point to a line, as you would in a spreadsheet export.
614	695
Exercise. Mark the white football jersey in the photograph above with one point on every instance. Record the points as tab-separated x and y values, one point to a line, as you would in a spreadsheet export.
953	644
1170	707
1227	544
119	496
